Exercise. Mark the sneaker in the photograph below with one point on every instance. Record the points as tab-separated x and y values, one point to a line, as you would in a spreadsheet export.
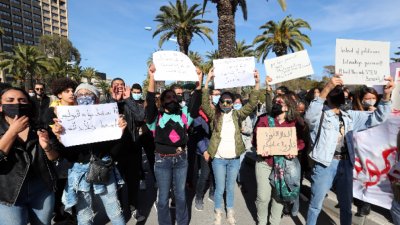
142	185
136	215
199	204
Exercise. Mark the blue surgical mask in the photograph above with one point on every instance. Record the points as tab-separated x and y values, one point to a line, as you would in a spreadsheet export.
237	106
215	99
85	100
136	96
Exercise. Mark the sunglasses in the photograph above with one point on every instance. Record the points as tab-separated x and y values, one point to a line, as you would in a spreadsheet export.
39	89
226	102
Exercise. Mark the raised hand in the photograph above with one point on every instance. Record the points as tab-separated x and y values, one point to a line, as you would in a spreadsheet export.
18	125
44	140
127	92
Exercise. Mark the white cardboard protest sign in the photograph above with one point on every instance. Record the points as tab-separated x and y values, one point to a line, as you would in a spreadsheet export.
288	67
277	140
234	72
84	124
362	62
173	65
396	92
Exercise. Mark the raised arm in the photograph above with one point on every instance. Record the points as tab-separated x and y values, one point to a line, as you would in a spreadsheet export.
151	108
252	104
205	102
195	101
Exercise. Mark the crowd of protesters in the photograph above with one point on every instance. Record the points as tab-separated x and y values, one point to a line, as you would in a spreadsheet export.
193	139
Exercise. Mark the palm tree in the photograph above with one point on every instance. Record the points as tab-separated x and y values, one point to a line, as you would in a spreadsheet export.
281	37
226	10
182	22
396	59
27	60
58	68
196	58
243	50
210	56
76	73
89	73
104	86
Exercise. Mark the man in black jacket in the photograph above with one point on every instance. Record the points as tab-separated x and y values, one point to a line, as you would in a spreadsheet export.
129	158
40	103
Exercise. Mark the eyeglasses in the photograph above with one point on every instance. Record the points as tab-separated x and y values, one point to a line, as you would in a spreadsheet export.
39	89
85	95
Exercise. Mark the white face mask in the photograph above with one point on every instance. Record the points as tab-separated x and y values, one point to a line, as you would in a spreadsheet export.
31	94
368	103
182	104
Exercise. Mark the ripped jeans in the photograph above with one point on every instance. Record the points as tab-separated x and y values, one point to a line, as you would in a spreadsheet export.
80	194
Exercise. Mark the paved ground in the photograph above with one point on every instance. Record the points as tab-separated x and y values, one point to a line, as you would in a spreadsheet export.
246	213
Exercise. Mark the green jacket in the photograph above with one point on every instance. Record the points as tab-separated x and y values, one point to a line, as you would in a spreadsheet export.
216	124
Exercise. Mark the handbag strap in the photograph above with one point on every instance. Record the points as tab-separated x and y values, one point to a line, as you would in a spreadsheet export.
319	128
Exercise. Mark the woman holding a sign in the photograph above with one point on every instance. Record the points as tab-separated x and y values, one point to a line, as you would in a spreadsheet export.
226	144
93	171
271	146
169	125
27	178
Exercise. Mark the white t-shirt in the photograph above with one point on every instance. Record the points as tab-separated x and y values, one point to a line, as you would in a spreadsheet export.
226	148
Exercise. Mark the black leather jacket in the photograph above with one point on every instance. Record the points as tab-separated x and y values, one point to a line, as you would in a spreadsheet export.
21	159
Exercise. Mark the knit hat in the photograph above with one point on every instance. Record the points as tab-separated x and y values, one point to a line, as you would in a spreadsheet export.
89	87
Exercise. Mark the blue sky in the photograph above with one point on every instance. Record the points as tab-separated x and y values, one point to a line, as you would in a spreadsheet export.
110	35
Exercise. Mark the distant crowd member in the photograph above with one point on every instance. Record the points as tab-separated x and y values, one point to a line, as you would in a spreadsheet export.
40	103
332	133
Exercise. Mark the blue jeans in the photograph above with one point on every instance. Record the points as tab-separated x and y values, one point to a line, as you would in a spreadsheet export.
34	204
395	212
203	177
340	173
225	174
168	171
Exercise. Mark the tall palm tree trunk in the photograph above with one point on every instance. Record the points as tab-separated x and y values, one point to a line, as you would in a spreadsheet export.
226	29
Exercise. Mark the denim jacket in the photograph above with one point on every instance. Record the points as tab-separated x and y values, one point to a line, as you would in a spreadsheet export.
353	121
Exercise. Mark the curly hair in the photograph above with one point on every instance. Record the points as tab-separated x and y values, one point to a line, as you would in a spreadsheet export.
62	84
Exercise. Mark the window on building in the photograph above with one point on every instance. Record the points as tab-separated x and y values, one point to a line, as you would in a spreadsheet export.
47	32
26	5
28	35
16	9
18	32
36	8
62	11
46	26
15	1
5	37
28	28
7	45
28	42
17	17
4	5
46	12
54	8
27	20
64	31
5	13
38	30
46	19
63	24
5	21
6	29
54	14
37	16
56	28
17	24
27	13
62	3
18	40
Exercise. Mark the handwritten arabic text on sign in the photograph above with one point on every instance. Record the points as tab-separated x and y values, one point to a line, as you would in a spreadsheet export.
86	124
362	62
172	65
277	140
289	67
234	72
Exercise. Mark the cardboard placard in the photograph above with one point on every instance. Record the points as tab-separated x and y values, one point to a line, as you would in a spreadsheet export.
277	140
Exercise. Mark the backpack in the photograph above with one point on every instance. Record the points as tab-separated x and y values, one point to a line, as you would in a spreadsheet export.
285	177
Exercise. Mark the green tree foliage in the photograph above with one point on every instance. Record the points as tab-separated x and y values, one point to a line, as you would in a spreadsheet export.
281	37
183	22
89	73
60	47
398	58
27	63
243	50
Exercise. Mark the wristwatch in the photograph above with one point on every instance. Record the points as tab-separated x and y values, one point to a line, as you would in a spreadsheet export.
2	156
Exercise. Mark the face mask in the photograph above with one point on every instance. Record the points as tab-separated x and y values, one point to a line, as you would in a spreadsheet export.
85	100
226	109
182	104
368	103
215	99
12	110
237	106
136	97
173	107
179	98
32	94
276	110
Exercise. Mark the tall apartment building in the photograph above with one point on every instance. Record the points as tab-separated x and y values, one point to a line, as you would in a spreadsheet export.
24	21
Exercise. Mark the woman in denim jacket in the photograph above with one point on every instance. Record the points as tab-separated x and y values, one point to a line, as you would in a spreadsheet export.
78	192
27	178
333	152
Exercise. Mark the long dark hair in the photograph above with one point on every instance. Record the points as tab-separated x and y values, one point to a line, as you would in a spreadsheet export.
291	114
357	101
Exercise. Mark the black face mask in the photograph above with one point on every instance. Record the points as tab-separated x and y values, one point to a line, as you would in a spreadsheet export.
276	110
179	98
12	110
173	107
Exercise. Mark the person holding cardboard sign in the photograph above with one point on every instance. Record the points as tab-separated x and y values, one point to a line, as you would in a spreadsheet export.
331	130
277	140
226	144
